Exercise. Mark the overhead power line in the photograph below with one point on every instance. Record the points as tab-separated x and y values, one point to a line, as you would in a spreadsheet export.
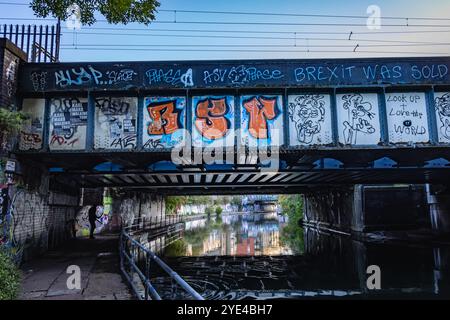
255	45
274	14
265	32
257	23
262	51
302	15
253	37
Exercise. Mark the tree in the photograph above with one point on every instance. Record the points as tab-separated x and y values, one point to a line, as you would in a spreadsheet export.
292	233
173	203
219	211
115	11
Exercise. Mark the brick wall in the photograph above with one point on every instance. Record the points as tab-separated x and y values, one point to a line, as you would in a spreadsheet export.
10	59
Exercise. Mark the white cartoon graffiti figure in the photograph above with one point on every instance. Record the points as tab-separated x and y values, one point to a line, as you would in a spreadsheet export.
307	112
443	109
359	117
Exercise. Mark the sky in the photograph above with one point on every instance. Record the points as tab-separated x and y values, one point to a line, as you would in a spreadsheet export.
251	35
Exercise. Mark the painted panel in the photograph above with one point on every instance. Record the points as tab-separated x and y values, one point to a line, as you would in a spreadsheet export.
442	107
32	132
213	121
68	123
309	119
358	118
164	122
231	74
115	123
407	117
261	120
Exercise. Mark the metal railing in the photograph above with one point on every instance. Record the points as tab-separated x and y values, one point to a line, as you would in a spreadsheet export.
149	223
136	260
40	43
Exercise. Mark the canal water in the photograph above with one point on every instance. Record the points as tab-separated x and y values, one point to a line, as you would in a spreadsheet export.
264	256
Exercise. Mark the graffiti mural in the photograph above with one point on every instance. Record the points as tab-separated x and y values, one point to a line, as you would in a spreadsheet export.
261	120
358	118
213	121
68	122
442	106
115	123
407	117
31	134
309	119
164	118
83	225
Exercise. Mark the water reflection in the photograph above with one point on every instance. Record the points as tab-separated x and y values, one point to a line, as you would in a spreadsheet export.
235	234
265	256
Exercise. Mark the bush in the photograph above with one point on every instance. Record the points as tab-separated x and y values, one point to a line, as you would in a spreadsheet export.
9	277
219	211
176	249
11	121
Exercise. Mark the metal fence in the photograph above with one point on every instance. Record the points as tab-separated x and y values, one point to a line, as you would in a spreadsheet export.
138	265
149	223
40	43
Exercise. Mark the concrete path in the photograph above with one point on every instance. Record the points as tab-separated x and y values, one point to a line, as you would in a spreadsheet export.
46	277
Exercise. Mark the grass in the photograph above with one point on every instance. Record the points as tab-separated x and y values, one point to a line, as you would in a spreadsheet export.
9	277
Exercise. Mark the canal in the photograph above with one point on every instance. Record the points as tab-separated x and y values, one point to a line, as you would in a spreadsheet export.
267	256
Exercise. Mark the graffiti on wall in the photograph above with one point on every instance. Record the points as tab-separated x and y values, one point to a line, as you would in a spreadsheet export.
164	118
89	75
358	118
261	120
39	80
25	223
83	226
10	77
174	77
240	75
31	134
115	123
213	121
407	117
68	123
442	107
309	119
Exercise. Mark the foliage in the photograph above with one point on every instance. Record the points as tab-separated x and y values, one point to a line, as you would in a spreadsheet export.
9	277
11	121
237	201
219	210
115	11
176	249
292	233
173	203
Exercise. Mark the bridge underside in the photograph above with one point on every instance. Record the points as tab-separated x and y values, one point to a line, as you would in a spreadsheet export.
299	170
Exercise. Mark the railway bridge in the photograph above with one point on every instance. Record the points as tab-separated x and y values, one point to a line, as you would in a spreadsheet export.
328	128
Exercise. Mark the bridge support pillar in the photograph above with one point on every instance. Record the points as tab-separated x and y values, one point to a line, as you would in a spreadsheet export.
438	198
129	206
329	209
365	208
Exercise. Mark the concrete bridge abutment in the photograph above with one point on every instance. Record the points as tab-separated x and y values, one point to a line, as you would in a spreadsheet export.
129	206
360	209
